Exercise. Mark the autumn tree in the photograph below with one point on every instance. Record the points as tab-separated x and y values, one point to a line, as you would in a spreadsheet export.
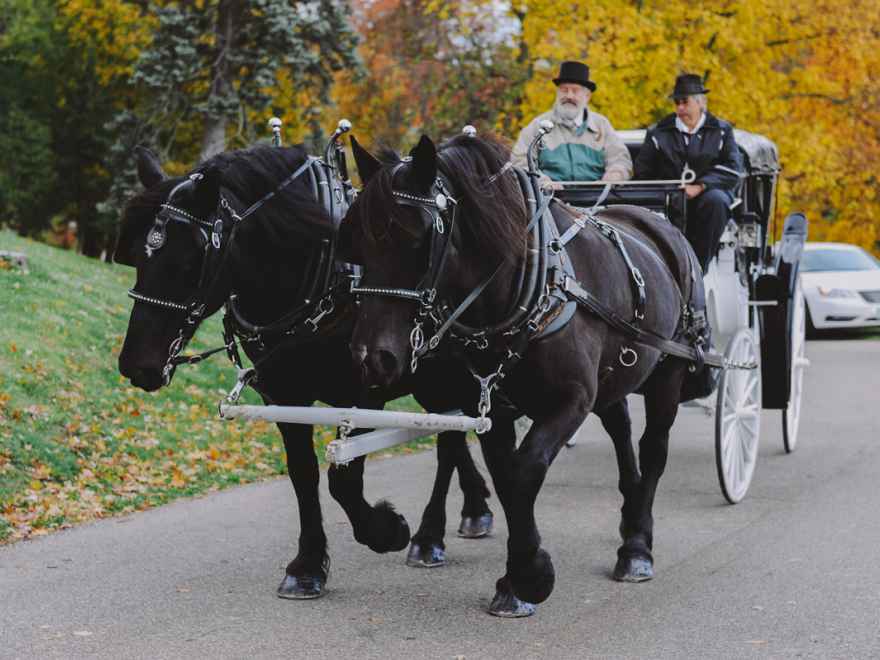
802	73
431	67
218	61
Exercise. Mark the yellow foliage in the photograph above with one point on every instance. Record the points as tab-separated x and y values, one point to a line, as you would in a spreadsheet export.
802	72
114	31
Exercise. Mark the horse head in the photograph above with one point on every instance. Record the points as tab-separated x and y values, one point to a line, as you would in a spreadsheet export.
428	229
245	222
166	234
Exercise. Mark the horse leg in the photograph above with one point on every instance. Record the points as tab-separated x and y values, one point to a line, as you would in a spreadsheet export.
616	422
476	517
306	576
529	567
427	549
378	527
635	561
498	445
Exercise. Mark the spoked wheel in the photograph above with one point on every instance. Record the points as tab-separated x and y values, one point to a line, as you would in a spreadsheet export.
791	416
738	417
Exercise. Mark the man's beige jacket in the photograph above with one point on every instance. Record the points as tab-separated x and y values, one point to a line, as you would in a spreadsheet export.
585	153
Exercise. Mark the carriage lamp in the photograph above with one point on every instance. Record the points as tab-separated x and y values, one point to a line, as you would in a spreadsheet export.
828	292
275	125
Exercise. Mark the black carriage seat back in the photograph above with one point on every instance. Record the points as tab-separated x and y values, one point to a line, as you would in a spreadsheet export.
761	163
633	149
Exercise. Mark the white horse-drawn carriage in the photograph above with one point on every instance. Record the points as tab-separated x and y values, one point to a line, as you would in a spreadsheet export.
755	305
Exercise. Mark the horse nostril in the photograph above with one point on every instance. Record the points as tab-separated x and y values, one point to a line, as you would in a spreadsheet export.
387	361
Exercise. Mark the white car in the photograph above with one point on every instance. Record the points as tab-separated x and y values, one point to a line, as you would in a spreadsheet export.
841	284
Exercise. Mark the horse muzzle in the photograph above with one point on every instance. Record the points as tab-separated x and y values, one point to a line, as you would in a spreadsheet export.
377	366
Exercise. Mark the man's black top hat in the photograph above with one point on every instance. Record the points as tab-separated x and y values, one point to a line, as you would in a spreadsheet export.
575	72
688	84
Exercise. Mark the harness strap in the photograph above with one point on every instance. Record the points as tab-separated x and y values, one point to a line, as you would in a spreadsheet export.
293	177
198	357
575	291
473	295
579	222
635	273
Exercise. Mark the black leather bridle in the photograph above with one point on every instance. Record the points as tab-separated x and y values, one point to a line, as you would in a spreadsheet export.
222	229
440	209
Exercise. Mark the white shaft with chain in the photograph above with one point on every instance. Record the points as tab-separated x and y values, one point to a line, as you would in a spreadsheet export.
358	418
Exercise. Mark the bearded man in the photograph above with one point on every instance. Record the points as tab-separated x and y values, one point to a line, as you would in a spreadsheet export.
582	145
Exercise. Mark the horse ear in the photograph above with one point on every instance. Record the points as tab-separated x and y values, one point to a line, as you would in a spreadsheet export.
367	163
424	159
148	167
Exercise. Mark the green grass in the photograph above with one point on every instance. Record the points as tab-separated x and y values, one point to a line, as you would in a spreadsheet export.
77	442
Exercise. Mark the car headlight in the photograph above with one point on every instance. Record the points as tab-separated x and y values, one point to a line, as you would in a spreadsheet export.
837	293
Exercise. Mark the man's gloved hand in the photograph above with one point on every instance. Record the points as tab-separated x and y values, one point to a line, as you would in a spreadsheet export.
693	189
613	176
547	184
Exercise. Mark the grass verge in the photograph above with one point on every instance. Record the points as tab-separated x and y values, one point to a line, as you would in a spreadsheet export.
77	442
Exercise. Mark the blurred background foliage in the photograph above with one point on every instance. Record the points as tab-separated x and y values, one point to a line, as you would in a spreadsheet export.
86	80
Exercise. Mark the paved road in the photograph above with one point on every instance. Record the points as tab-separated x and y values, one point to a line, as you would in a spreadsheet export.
793	571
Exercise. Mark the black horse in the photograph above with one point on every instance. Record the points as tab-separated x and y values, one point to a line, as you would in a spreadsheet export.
557	379
264	259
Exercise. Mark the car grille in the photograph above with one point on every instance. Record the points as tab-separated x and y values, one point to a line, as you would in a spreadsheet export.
871	296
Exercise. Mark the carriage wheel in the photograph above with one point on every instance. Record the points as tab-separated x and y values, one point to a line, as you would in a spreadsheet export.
791	416
738	417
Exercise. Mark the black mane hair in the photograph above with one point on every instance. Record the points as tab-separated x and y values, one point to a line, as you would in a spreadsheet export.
245	176
495	209
250	174
492	212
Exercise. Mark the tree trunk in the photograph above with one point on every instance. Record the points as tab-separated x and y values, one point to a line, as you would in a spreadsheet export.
214	132
213	137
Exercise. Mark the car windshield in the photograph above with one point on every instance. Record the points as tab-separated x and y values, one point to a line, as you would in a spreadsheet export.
832	259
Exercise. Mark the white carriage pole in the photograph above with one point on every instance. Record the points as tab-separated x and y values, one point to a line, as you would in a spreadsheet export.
393	428
358	418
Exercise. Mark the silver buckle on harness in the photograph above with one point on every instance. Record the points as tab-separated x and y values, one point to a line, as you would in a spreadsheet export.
325	307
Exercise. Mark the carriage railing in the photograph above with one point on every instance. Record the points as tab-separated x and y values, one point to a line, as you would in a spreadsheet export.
662	196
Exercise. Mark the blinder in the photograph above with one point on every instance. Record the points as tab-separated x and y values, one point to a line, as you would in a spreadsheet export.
158	234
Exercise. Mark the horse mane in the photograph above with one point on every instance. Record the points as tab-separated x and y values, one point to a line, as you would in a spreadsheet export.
495	210
492	213
293	213
245	176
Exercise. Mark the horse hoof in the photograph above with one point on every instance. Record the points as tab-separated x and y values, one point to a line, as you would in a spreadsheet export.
508	606
534	581
476	527
302	587
633	569
389	530
425	556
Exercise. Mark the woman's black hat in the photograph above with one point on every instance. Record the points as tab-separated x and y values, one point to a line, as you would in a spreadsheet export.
688	84
575	72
